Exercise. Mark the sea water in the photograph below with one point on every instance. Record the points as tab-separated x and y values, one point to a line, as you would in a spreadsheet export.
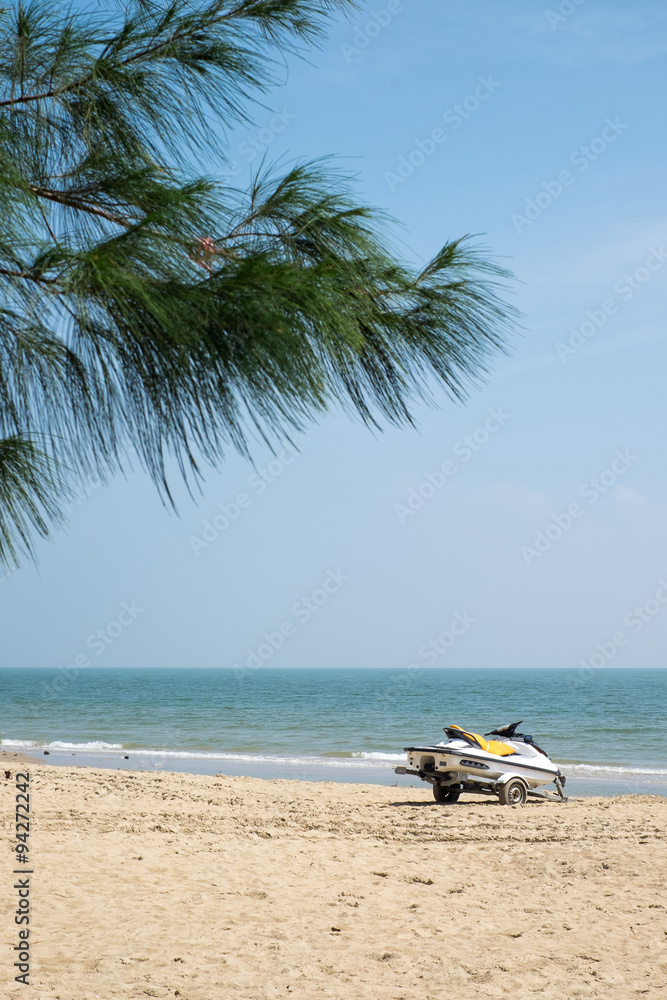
604	727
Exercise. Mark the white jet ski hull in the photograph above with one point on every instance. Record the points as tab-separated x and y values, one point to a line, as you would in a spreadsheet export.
458	759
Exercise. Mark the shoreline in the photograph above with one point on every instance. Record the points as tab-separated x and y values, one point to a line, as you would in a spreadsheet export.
317	771
18	757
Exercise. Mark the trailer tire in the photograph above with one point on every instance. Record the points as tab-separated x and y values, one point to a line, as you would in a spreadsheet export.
445	794
513	793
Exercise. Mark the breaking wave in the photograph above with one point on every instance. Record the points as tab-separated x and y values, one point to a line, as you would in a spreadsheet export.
356	759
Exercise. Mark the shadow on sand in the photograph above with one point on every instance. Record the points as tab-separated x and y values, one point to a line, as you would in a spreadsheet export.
466	802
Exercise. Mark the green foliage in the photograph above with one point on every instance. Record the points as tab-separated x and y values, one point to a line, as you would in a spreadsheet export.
149	311
32	496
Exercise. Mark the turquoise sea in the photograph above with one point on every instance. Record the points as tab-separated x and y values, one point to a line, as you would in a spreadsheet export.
605	727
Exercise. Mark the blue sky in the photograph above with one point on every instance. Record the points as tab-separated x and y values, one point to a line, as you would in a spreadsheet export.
543	92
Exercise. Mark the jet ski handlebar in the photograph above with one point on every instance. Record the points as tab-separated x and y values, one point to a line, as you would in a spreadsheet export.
506	731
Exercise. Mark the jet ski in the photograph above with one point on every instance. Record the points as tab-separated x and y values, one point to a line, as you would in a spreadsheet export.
512	767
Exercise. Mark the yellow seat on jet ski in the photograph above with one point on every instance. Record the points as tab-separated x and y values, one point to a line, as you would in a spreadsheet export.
502	749
491	746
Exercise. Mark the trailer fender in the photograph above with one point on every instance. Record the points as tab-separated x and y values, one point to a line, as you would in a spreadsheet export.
504	778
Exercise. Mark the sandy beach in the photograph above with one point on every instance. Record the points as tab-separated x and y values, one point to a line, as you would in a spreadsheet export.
172	885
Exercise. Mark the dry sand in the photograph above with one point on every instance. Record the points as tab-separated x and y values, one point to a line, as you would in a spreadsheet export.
203	888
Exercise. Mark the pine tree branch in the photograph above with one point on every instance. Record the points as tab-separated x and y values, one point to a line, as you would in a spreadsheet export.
243	10
32	495
63	198
89	77
29	276
208	315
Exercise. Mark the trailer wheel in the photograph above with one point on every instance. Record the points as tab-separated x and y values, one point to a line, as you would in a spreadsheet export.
444	794
513	793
